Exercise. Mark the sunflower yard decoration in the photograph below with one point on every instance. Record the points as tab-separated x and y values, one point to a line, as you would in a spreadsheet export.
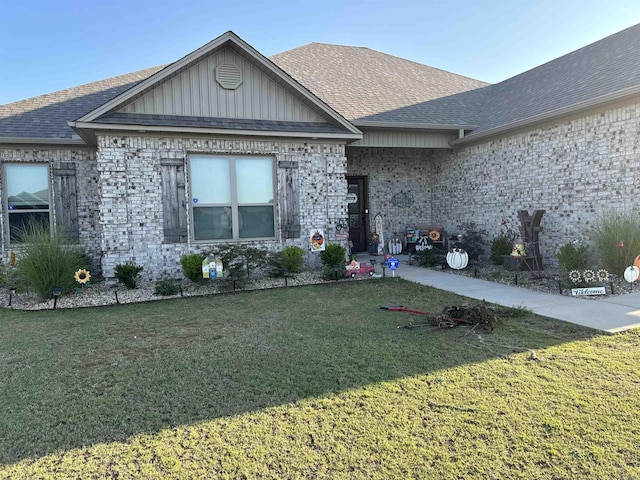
82	276
584	280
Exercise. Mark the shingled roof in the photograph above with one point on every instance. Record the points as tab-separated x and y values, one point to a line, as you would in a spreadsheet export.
369	87
46	116
361	83
605	71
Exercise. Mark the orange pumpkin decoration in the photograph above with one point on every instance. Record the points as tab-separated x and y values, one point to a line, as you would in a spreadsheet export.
636	262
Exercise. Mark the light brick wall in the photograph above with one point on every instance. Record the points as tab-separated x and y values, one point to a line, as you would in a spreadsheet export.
576	170
131	205
391	171
84	159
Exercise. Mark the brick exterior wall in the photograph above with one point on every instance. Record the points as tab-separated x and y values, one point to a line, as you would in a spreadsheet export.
577	170
84	159
393	171
130	191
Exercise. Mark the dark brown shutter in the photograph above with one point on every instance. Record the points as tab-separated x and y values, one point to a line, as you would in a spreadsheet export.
289	199
65	199
173	200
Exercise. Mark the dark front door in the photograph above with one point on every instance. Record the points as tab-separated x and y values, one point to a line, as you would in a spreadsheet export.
358	213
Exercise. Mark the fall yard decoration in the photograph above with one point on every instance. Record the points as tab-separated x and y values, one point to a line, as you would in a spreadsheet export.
82	276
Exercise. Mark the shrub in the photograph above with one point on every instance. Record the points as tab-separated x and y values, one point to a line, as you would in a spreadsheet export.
333	254
501	245
47	261
428	257
612	230
166	286
571	257
128	274
192	266
473	240
293	259
329	272
242	260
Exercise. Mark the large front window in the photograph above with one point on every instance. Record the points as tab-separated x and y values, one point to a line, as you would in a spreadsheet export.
27	187
232	197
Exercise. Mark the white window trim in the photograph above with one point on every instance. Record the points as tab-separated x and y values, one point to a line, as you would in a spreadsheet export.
235	224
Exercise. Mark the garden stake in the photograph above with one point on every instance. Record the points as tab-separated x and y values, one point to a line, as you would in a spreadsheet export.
611	285
516	279
475	272
559	286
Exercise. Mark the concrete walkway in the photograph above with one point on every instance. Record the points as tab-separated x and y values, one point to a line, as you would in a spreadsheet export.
610	314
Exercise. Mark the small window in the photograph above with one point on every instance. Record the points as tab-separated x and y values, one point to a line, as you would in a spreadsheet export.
27	187
232	197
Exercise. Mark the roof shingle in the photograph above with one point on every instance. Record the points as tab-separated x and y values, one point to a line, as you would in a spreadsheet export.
359	82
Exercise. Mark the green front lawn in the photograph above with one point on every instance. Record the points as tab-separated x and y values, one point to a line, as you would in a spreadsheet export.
312	382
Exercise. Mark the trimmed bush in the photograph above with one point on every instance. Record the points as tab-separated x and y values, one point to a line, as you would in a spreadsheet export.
473	240
500	246
48	261
192	266
333	254
128	274
166	286
571	257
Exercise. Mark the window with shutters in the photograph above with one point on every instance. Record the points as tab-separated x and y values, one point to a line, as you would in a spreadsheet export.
232	197
27	197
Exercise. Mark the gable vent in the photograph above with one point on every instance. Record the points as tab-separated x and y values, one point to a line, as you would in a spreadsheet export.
228	76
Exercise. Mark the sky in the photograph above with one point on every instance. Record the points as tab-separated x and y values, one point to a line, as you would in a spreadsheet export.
51	45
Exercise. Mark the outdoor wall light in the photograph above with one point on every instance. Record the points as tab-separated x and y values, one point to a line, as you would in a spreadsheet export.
12	292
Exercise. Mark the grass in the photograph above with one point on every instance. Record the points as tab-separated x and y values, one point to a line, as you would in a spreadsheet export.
312	382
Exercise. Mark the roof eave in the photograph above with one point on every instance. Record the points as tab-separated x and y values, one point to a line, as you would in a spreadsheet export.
412	126
87	129
42	141
576	108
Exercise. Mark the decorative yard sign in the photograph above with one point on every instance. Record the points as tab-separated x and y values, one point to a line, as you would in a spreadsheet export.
316	240
579	292
392	263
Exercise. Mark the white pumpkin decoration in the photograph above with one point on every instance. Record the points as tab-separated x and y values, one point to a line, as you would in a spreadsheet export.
631	273
395	246
457	258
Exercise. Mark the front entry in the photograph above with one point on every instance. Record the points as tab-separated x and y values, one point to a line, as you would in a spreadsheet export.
358	212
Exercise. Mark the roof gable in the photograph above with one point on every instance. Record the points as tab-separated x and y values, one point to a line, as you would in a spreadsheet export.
197	91
191	87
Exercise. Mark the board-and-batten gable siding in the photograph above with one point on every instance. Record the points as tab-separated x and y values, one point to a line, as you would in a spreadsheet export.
195	92
385	138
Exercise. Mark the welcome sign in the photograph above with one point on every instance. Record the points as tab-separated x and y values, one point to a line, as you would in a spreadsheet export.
579	292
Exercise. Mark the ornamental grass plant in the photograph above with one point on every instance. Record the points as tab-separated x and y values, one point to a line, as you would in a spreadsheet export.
616	236
47	260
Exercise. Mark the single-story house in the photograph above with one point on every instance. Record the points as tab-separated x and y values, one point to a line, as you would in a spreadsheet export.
226	145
